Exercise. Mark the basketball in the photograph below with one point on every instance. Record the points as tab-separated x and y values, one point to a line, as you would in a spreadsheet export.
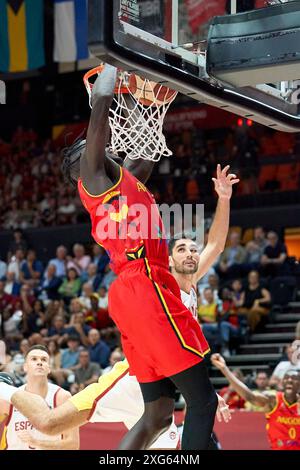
147	92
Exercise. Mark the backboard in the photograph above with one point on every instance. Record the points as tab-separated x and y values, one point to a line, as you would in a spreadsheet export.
176	43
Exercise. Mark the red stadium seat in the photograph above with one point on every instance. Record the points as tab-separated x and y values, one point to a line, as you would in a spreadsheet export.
267	173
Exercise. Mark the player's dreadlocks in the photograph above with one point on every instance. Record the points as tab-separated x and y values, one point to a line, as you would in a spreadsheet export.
70	166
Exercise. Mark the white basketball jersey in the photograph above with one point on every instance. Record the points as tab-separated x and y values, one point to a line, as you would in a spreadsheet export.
124	403
190	301
18	422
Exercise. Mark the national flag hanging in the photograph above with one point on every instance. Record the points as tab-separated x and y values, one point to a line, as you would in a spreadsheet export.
70	30
201	11
21	35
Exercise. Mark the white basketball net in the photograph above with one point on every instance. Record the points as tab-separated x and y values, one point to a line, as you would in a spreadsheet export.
137	129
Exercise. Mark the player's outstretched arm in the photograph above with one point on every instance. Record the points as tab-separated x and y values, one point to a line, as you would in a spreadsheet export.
72	413
219	230
51	422
70	439
258	399
94	163
67	443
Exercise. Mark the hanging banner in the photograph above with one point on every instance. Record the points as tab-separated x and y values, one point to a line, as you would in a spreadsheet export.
70	30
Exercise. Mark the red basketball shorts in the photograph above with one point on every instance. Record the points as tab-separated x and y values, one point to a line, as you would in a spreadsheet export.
160	337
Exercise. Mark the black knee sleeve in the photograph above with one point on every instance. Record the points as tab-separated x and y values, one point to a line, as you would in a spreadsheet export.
199	422
205	409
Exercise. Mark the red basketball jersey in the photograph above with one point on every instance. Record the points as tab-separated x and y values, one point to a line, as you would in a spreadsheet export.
126	222
284	425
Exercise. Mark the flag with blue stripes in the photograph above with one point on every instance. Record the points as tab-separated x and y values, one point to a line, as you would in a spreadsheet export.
21	35
70	30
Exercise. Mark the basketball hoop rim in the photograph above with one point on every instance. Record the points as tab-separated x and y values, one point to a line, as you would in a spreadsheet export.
120	87
97	70
145	129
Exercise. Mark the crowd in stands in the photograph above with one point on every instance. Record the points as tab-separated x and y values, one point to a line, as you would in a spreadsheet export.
32	193
64	305
265	160
236	296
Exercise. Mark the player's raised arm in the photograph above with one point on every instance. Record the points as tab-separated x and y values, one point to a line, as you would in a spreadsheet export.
258	399
87	159
94	163
98	130
219	229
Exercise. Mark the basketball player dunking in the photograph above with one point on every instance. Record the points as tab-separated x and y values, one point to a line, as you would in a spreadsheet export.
116	396
163	343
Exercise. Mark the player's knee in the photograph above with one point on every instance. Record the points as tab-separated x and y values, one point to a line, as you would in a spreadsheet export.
207	408
163	422
159	422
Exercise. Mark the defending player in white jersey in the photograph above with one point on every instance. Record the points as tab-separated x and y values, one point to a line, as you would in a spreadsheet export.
187	265
19	432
